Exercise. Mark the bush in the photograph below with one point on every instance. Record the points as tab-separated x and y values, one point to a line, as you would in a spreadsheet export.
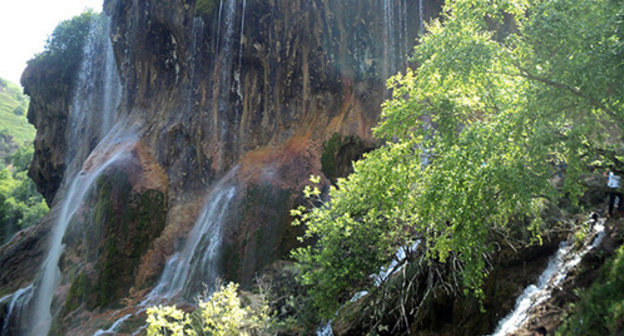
223	314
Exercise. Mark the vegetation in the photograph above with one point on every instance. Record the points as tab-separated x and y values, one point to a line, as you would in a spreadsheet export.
223	314
504	93
600	310
20	203
15	130
205	7
63	51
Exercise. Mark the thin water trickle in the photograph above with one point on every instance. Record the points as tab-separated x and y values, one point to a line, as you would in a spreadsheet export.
421	18
558	267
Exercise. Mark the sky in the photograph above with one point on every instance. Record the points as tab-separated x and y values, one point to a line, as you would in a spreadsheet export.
26	24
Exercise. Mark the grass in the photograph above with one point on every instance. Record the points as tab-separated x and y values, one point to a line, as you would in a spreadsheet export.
15	125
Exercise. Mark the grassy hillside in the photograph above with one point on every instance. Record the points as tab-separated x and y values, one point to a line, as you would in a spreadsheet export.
15	130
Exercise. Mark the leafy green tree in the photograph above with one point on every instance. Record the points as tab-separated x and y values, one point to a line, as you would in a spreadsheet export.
504	93
63	51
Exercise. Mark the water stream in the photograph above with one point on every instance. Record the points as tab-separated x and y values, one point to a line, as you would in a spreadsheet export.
18	300
196	264
564	260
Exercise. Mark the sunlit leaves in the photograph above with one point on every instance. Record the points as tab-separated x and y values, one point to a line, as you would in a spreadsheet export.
506	95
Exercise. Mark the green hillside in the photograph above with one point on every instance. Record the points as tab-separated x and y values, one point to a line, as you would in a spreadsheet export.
20	203
14	127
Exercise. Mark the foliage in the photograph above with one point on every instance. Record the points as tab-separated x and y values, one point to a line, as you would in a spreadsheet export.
504	92
168	321
63	51
600	310
223	314
205	7
20	204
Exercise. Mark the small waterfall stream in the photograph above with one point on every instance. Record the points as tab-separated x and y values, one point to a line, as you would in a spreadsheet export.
18	300
196	264
564	260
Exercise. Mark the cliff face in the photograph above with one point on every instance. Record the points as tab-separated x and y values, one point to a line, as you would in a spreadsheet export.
253	94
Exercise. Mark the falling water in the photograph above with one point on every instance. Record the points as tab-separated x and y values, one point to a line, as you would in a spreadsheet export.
114	327
97	95
421	18
112	152
112	84
558	267
239	70
18	299
389	33
197	262
92	116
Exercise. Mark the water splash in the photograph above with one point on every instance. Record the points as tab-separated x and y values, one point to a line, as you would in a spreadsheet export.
558	267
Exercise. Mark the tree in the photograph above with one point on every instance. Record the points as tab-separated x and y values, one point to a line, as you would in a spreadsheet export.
504	92
63	51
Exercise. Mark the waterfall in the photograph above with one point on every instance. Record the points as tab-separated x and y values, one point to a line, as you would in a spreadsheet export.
18	300
112	83
196	264
96	97
113	151
564	260
92	115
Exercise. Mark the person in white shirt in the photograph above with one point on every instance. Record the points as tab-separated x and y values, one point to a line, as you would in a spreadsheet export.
613	183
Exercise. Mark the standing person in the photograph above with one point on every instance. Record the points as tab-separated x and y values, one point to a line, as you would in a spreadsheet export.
613	183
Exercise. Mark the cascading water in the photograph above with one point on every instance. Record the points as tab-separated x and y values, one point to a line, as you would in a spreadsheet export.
396	45
97	95
115	150
421	18
227	72
196	264
91	118
558	267
17	302
389	32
